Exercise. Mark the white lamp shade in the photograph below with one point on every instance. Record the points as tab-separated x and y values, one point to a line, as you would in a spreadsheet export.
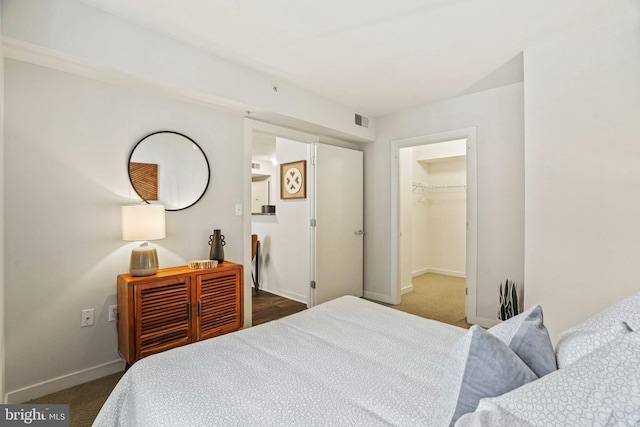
143	222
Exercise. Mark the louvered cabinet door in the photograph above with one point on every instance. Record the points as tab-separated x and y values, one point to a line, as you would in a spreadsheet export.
219	296
163	318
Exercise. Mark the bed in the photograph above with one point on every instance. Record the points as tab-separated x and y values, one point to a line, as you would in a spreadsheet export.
354	362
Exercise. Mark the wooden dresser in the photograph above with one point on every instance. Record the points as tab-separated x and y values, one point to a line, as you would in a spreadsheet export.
177	306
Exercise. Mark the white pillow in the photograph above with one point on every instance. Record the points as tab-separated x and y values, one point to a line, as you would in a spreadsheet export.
600	389
479	365
578	343
527	336
601	328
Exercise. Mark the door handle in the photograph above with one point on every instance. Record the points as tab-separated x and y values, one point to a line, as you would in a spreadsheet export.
359	232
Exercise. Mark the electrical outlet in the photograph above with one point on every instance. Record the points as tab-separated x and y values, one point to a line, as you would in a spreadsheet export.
113	313
87	317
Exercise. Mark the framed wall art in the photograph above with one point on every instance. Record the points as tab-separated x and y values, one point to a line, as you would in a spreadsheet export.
293	180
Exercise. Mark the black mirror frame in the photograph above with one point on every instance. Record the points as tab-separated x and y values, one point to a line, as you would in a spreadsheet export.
184	136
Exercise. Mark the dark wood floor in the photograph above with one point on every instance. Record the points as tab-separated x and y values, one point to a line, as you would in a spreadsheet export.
267	307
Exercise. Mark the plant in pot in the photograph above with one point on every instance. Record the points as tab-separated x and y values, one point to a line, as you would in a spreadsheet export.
509	300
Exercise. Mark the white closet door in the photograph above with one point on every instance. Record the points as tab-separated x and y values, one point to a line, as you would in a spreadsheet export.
339	223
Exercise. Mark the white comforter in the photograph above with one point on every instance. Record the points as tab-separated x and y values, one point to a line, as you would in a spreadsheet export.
345	362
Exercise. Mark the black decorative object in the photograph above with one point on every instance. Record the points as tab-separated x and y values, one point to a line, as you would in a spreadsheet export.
216	241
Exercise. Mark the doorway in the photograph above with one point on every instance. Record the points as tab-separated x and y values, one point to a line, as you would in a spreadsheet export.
300	237
282	255
434	174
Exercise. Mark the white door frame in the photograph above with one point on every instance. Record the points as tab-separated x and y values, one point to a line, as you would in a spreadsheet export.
472	211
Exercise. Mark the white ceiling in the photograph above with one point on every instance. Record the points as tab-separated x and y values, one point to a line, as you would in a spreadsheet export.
376	56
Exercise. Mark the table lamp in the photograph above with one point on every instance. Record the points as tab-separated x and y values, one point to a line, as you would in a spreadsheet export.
141	223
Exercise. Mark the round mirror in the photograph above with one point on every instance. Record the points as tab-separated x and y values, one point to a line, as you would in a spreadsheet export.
169	168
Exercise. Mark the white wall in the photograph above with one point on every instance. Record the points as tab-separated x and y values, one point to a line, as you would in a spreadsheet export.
67	142
442	150
582	114
285	236
497	115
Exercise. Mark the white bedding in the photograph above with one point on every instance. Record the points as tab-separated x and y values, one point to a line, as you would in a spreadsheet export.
345	362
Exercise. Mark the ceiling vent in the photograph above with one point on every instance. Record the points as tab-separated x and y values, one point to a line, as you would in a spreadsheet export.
362	121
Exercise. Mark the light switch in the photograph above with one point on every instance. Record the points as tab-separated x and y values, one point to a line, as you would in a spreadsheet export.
238	209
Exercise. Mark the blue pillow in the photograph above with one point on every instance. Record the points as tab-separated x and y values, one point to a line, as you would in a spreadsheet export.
527	336
480	365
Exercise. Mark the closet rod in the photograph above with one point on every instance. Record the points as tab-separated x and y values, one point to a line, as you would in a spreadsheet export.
422	186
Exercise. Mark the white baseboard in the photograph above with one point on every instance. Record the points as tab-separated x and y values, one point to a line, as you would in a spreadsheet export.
285	294
439	271
51	386
406	289
420	272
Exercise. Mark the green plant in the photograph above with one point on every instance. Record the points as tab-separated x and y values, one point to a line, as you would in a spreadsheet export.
509	301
